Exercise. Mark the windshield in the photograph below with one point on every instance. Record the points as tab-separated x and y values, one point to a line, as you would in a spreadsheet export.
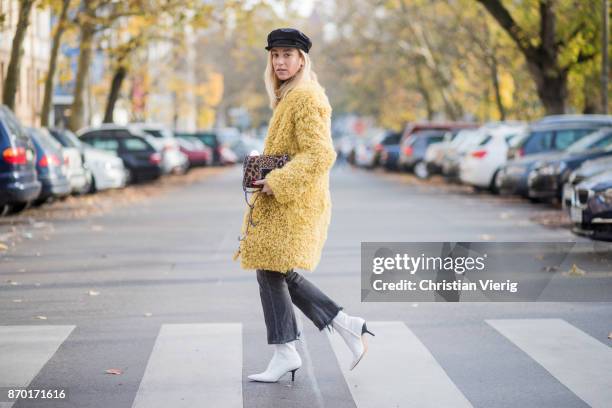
594	140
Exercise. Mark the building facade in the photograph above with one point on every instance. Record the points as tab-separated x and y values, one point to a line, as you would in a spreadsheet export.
34	62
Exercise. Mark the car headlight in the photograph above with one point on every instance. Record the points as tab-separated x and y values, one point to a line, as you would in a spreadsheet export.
606	196
552	169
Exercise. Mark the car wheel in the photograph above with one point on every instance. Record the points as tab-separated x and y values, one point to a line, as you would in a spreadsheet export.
4	209
129	177
18	207
92	186
420	170
495	182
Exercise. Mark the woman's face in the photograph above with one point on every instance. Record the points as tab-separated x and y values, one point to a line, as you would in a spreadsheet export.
286	62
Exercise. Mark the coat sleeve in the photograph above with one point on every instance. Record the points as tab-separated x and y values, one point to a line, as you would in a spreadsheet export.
316	151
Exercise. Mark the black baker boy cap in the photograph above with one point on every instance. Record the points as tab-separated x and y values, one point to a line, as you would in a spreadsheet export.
288	37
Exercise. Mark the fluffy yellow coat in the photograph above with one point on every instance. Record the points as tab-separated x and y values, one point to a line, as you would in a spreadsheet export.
292	224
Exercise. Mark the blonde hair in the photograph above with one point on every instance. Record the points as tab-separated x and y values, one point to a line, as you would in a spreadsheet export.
277	89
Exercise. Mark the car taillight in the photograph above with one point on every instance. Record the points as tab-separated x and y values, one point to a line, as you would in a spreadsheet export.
479	154
408	150
15	155
155	158
49	160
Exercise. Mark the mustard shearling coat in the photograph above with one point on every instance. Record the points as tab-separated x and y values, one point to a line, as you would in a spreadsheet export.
291	225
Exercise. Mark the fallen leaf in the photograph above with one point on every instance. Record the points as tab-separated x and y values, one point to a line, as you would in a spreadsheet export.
93	293
3	247
576	271
115	371
41	317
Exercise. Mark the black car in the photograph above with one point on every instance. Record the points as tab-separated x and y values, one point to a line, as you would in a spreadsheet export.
142	162
416	146
19	184
587	170
541	139
548	176
381	150
210	139
50	167
591	207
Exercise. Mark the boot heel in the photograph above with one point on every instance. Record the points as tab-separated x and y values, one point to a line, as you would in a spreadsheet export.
364	329
293	374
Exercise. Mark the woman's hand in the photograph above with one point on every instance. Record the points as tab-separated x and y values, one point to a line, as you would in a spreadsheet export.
266	188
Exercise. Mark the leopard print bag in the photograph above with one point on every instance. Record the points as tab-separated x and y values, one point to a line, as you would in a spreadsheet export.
256	168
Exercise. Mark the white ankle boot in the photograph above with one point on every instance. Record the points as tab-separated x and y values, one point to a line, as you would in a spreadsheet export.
352	329
285	359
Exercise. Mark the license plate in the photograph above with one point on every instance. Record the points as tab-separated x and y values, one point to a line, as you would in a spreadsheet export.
576	215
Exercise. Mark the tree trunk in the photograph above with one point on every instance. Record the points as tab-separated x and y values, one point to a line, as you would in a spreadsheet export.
113	95
542	60
76	120
495	79
551	85
59	30
11	82
424	93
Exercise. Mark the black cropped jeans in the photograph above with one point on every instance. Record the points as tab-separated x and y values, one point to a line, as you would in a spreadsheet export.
278	291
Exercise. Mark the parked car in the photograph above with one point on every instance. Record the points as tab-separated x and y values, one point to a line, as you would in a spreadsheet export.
556	132
227	156
210	139
141	159
591	207
434	155
417	127
19	184
50	167
541	139
106	168
79	175
588	169
365	153
389	150
546	179
412	153
454	152
173	160
344	147
481	164
197	152
245	145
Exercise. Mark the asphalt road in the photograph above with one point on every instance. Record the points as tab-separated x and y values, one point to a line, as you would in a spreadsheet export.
150	289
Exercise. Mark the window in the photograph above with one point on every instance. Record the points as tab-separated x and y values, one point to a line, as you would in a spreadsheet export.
566	137
104	143
486	140
134	144
538	141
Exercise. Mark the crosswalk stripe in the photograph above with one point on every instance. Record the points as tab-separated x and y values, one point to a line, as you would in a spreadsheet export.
24	350
192	363
397	371
576	359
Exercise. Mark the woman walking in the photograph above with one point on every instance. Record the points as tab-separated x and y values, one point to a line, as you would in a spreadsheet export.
293	209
